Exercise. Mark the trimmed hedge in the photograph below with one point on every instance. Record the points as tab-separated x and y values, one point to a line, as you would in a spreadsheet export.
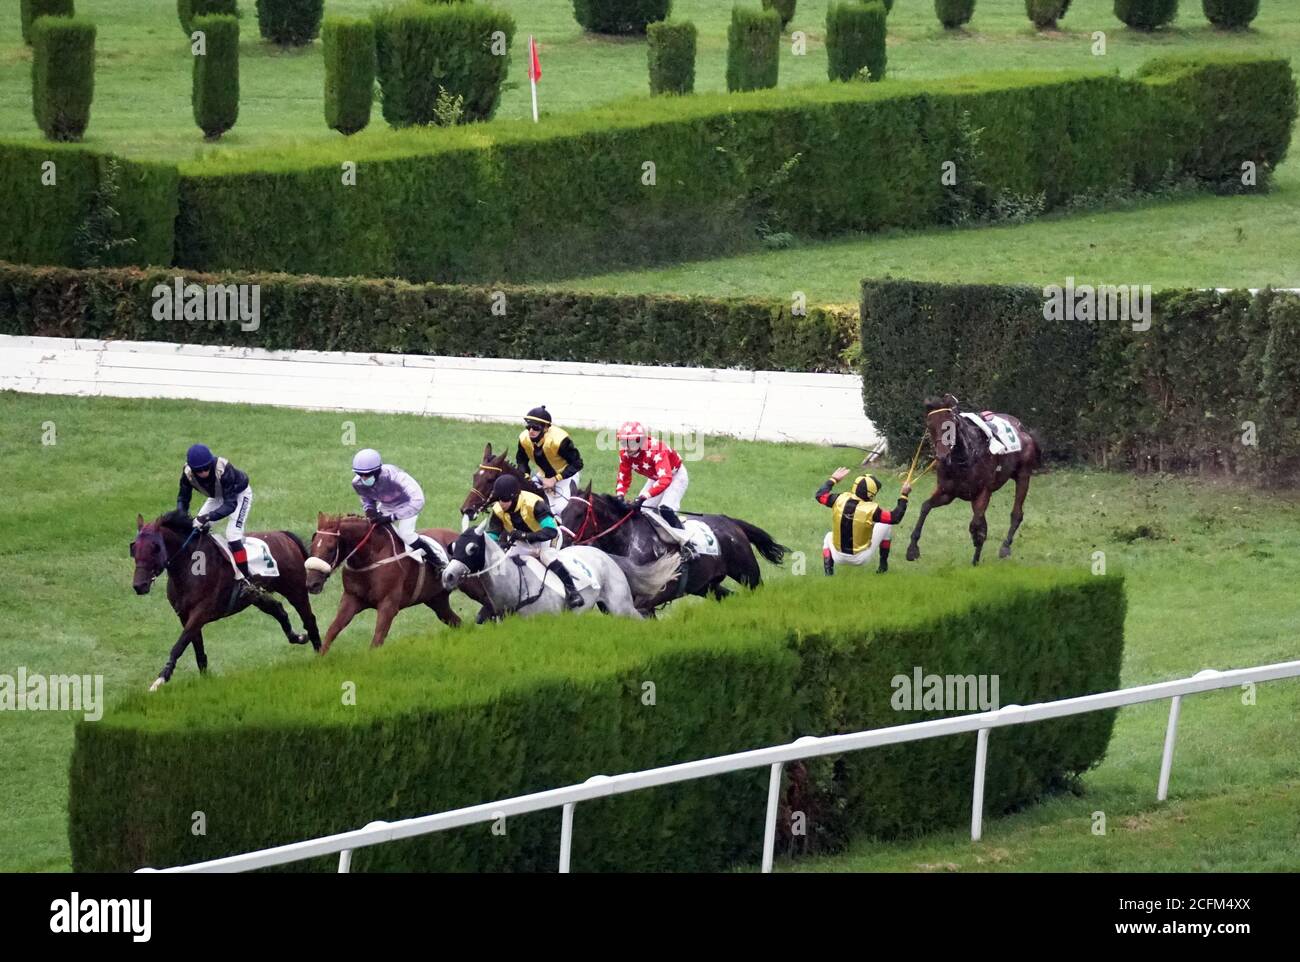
1174	397
753	49
187	10
30	10
348	47
1045	13
855	40
1230	14
954	13
63	76
784	7
620	16
486	714
670	50
1146	14
425	51
290	23
325	314
216	75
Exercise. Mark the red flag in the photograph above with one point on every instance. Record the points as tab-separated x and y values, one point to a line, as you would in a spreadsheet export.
534	64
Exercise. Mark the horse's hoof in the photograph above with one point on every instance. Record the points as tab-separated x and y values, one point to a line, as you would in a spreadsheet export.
157	683
298	638
1004	552
913	553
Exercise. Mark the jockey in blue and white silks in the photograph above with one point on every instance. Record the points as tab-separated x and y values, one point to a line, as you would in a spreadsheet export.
227	493
390	494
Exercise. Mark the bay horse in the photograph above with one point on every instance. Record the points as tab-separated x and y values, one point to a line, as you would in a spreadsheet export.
376	575
202	587
966	469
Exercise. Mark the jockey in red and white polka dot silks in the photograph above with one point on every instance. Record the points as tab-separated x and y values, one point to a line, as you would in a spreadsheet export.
651	458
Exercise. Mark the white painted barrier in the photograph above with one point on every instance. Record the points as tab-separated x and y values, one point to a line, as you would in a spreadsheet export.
602	786
753	405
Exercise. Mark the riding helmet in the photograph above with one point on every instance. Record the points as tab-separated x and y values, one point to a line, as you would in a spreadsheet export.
630	430
538	416
367	461
506	488
199	457
866	487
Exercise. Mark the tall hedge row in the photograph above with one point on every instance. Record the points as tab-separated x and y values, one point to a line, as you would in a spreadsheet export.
30	10
215	96
1212	384
753	49
855	40
326	314
670	54
187	10
348	48
63	76
620	16
290	23
275	756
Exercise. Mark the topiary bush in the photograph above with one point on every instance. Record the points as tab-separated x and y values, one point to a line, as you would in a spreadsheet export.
620	16
216	75
671	55
187	10
424	52
348	46
1146	14
30	10
753	49
289	23
1230	14
855	40
954	13
1046	13
784	7
63	75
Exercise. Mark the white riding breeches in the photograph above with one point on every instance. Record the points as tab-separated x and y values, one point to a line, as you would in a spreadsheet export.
543	551
558	497
237	519
406	530
879	532
671	496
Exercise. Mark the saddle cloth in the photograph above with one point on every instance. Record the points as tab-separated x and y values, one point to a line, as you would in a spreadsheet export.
1003	438
697	534
439	552
583	577
260	562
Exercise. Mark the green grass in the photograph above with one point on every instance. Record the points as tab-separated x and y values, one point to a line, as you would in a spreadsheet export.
1215	587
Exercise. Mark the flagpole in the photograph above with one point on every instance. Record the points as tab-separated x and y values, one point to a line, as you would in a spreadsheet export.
532	53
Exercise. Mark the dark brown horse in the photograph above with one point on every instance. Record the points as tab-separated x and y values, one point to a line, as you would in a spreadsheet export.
202	587
485	475
966	469
375	575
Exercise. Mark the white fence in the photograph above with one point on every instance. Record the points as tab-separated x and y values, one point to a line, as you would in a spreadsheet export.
601	786
754	405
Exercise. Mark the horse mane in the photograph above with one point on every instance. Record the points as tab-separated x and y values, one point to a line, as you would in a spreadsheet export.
176	520
607	501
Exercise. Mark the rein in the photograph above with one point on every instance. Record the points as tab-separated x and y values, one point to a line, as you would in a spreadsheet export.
167	562
591	516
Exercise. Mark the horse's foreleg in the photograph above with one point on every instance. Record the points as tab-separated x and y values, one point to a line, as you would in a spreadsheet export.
936	500
441	605
385	614
349	605
190	628
302	604
264	603
979	525
1017	512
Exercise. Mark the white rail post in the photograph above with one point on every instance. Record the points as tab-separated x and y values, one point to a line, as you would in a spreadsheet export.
773	803
1167	760
566	827
345	856
977	796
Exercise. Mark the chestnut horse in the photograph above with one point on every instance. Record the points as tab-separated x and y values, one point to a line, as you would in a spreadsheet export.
966	469
201	584
376	575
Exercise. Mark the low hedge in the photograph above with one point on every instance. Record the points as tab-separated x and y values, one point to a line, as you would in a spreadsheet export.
486	713
1176	396
41	222
327	314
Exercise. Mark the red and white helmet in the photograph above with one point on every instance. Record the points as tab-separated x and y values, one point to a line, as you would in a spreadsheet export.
631	430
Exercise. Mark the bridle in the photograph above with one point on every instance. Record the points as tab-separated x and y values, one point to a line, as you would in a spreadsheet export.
338	548
589	518
169	559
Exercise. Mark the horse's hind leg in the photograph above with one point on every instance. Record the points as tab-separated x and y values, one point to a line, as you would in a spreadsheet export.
1017	511
302	604
200	653
979	524
269	606
936	500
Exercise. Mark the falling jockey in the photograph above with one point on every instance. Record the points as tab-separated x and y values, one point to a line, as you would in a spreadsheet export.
668	480
559	465
390	494
860	526
524	519
227	494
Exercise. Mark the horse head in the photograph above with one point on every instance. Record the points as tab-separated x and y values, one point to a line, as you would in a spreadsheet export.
469	555
150	551
943	423
480	485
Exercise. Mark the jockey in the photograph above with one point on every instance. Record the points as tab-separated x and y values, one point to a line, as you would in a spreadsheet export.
390	494
227	494
651	458
860	525
559	464
525	519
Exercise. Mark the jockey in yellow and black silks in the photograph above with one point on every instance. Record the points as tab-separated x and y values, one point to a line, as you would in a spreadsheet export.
523	523
860	526
559	465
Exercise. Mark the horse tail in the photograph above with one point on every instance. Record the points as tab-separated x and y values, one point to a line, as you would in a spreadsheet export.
1038	450
298	541
649	580
765	544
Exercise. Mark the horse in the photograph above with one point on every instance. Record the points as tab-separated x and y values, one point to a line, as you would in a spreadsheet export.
966	469
602	522
622	588
204	591
377	573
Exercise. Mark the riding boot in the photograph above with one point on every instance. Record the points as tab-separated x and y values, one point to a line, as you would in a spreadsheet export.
884	559
240	554
669	515
571	596
828	563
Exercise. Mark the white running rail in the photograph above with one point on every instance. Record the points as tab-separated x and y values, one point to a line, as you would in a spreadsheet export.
602	786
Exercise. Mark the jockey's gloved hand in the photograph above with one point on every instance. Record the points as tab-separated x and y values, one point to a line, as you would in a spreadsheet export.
372	513
201	523
636	505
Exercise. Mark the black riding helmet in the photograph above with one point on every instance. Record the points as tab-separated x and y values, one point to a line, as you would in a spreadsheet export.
538	417
506	488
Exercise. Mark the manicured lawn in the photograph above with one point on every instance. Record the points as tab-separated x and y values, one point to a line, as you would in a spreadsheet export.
1210	584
